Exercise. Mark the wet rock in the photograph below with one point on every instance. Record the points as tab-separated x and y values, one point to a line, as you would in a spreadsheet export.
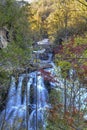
4	37
44	56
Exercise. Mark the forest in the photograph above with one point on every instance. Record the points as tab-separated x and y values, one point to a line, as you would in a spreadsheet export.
28	23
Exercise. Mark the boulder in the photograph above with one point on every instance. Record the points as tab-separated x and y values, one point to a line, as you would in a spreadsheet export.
3	37
44	56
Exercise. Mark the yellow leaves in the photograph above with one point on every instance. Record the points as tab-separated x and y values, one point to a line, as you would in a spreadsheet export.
33	27
80	40
65	65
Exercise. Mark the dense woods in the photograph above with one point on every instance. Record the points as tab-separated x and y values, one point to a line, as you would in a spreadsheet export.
16	55
59	18
53	19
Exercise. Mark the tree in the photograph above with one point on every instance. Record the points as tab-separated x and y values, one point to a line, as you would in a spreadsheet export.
72	61
14	59
59	18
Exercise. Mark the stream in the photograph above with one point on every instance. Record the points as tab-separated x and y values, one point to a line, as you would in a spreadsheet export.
28	99
27	102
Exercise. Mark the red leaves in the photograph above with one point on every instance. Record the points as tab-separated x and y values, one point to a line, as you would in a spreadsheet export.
70	48
83	73
54	112
75	49
47	76
78	50
84	68
74	53
70	121
58	49
75	111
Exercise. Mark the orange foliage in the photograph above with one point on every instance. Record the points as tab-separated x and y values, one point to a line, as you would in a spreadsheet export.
53	114
70	121
67	113
60	105
75	111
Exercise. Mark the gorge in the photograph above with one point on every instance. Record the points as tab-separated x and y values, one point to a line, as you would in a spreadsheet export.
27	102
28	98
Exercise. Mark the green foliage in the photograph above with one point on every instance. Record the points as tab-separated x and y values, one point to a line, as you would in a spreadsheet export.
55	97
4	77
56	118
71	57
81	40
46	18
9	13
19	49
59	120
59	18
65	67
16	56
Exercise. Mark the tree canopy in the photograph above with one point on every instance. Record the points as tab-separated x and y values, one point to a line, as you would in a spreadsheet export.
53	19
59	18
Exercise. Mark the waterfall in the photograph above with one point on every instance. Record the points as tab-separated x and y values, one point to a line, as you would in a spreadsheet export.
16	106
28	99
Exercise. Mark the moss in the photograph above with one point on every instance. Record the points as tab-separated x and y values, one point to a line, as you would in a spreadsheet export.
4	86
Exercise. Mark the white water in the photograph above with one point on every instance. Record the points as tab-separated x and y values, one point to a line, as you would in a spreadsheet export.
32	95
31	99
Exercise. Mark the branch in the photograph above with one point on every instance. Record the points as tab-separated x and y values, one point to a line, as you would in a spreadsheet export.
82	3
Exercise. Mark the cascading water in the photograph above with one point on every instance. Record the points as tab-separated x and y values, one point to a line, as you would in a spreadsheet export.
28	100
27	103
15	111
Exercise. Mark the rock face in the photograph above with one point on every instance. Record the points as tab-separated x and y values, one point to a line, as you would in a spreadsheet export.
44	42
3	38
44	56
